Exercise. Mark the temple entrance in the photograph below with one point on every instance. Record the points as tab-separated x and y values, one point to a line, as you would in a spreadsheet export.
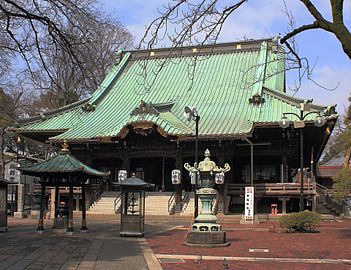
154	170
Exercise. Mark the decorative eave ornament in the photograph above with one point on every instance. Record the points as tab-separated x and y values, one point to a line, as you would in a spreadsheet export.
256	99
144	108
207	165
65	146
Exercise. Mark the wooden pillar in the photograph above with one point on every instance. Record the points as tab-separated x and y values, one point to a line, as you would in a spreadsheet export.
179	189
52	203
57	199
70	211
41	213
314	203
221	199
284	162
84	211
284	205
77	203
126	162
163	187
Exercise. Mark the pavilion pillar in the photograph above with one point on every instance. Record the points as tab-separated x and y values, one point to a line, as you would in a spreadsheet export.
41	212
70	214
84	211
57	200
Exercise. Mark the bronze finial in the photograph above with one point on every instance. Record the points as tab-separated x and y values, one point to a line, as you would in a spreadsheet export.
207	153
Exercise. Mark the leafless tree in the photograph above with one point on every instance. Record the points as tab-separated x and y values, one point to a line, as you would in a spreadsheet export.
96	52
13	103
67	46
28	28
197	22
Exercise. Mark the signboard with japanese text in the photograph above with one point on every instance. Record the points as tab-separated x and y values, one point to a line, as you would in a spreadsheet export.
249	203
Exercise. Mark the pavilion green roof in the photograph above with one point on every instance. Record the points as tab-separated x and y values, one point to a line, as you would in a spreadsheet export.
221	80
63	163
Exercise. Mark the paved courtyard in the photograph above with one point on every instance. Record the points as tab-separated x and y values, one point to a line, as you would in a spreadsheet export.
260	247
102	248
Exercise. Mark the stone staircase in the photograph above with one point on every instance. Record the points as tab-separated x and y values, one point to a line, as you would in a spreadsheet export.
326	204
188	207
106	203
156	203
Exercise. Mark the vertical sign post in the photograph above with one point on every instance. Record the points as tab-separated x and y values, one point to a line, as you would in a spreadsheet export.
249	204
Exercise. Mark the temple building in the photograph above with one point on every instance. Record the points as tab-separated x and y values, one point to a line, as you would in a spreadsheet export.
134	121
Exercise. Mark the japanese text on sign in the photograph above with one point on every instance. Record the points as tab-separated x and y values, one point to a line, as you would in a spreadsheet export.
249	203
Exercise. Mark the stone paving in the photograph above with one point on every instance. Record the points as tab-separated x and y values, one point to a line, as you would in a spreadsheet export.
102	248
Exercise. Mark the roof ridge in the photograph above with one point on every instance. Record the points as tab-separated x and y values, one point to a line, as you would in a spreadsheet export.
199	50
112	75
260	75
54	112
247	41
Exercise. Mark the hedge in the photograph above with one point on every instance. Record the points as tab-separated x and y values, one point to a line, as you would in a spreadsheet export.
304	221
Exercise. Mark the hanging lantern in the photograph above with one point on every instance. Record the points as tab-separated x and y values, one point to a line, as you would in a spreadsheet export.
219	178
176	177
284	122
122	175
193	177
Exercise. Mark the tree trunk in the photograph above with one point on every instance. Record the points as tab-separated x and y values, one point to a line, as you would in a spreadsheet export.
2	156
347	157
344	36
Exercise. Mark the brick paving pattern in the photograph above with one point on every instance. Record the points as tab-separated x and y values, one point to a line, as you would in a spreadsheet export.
333	242
218	265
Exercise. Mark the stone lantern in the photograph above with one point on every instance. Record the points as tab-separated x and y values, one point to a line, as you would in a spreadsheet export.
205	231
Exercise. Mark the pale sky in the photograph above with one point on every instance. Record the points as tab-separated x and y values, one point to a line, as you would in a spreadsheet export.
262	19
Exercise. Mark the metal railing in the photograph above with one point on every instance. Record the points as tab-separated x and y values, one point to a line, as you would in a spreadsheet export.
116	201
322	189
334	205
96	194
185	201
171	203
214	205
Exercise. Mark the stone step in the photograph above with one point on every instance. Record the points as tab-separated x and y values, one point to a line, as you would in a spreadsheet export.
156	203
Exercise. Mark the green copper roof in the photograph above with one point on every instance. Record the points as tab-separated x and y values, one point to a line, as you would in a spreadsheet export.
220	81
63	163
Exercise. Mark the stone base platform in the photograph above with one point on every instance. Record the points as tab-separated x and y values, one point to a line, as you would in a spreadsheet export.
207	239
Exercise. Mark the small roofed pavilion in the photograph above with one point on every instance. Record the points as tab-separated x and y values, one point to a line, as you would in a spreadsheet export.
63	170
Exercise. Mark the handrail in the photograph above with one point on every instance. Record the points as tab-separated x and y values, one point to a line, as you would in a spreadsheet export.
330	200
322	189
171	202
215	203
271	188
185	201
115	202
96	194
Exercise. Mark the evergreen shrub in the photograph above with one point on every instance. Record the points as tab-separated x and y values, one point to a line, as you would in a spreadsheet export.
304	221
